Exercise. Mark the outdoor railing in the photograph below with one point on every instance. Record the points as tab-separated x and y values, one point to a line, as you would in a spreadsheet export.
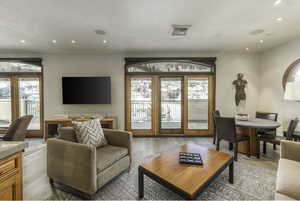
28	107
170	110
141	110
32	107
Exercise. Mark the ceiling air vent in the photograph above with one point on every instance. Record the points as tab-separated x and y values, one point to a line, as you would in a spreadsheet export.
180	30
100	32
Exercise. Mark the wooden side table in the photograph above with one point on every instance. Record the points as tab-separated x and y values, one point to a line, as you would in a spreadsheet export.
51	125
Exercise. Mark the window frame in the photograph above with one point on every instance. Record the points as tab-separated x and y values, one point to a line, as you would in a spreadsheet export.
155	93
13	76
288	71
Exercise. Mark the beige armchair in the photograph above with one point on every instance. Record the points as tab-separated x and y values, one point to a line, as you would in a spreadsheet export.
288	175
86	168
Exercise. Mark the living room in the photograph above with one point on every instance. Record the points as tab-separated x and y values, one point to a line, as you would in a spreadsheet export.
170	66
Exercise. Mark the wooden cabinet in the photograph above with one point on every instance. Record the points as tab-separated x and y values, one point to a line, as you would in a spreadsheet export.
11	178
52	125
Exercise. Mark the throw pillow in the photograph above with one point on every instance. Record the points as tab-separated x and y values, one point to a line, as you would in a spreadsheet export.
90	133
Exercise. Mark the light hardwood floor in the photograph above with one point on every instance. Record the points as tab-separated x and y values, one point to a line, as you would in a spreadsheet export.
36	183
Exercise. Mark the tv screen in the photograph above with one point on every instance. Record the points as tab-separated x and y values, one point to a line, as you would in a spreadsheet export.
86	90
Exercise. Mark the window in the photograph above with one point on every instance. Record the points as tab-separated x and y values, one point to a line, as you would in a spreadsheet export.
168	67
169	96
21	93
18	67
292	73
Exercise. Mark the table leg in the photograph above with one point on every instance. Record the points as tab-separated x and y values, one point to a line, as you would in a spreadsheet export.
46	132
231	173
141	183
243	146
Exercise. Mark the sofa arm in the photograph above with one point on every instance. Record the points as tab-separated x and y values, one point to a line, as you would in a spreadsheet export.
290	150
72	164
119	138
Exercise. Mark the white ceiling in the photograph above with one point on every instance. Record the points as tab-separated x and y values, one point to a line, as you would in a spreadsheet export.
145	25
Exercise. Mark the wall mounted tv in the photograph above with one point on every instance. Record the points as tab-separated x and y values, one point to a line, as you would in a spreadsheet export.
86	90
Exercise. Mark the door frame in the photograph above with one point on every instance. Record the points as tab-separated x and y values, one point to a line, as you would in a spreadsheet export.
211	106
162	131
209	62
147	132
156	101
15	107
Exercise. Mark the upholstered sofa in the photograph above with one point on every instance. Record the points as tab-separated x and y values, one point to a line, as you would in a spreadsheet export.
86	168
288	176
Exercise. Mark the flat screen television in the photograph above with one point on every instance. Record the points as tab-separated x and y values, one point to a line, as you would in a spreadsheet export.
86	90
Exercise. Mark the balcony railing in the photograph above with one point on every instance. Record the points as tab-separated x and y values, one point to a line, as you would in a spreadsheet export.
32	107
29	107
170	110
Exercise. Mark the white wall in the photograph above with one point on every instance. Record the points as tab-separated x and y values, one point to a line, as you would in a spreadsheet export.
55	66
263	71
228	65
273	65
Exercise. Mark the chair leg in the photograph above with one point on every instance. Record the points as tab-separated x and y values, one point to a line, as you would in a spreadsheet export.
218	144
265	148
249	149
274	147
258	149
51	181
214	138
230	146
236	151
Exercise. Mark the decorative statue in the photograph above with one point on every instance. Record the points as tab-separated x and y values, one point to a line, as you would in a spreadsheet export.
240	85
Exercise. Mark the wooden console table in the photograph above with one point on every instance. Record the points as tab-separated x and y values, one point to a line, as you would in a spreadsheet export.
51	125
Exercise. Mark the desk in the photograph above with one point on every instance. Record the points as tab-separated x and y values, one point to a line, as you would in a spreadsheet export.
250	128
51	125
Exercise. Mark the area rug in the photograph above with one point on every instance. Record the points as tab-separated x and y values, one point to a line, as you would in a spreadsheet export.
252	182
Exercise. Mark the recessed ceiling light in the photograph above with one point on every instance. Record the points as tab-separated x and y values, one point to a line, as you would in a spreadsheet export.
104	41
54	41
247	48
279	19
277	2
23	41
261	41
73	41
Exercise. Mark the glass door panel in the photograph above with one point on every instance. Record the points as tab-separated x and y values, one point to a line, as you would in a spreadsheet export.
5	102
29	100
141	103
198	103
171	103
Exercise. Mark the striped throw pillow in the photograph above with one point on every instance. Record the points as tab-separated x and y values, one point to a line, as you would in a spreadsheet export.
90	133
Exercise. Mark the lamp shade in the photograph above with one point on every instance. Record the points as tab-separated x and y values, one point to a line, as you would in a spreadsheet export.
292	91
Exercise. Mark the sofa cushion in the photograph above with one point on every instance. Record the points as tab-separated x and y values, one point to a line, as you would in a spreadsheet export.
288	177
279	196
90	133
108	155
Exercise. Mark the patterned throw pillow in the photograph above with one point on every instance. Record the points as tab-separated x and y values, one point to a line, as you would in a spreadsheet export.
90	133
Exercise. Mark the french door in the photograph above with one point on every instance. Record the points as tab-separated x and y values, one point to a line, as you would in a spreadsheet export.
21	95
169	104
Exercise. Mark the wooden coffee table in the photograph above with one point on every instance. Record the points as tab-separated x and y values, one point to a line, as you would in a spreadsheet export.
185	179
